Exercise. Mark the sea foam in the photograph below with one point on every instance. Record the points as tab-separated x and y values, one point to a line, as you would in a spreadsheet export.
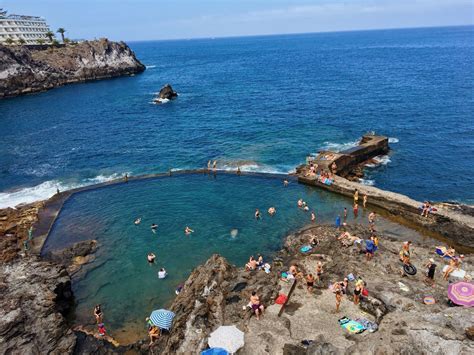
47	189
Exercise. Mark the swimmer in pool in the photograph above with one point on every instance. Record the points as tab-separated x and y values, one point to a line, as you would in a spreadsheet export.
285	183
272	211
188	230
138	221
257	214
151	258
154	227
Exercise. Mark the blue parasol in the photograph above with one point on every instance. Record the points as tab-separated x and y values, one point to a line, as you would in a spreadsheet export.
162	318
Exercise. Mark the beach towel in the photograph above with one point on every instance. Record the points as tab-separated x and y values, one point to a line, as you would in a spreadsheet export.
305	248
350	277
441	252
351	326
429	300
370	326
459	273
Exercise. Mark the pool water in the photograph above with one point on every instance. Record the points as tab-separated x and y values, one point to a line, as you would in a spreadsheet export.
120	278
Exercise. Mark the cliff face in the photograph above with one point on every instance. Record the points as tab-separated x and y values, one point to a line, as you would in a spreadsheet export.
24	70
33	296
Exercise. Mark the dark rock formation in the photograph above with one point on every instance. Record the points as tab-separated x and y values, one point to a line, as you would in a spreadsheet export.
34	295
166	93
212	296
24	70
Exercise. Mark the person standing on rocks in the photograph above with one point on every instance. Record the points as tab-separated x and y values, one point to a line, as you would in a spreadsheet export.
364	201
356	196
345	213
355	210
319	270
98	314
337	289
310	282
430	272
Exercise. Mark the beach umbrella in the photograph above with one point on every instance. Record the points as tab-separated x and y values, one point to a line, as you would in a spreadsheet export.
462	293
162	318
215	351
228	337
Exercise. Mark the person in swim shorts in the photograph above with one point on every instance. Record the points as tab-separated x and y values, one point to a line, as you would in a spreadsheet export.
310	282
257	308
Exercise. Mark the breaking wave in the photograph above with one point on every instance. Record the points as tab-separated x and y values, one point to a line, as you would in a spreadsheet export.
337	147
367	182
47	189
393	140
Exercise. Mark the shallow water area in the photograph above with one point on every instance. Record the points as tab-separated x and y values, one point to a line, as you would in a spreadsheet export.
219	208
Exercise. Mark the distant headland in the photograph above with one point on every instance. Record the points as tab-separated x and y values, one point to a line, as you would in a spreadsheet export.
29	69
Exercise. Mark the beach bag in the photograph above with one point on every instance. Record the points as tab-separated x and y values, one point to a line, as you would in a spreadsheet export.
365	292
281	299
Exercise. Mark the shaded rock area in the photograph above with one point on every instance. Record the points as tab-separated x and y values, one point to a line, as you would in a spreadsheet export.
74	256
166	93
24	70
34	296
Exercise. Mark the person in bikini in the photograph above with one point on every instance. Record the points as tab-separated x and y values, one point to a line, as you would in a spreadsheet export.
255	304
357	293
319	270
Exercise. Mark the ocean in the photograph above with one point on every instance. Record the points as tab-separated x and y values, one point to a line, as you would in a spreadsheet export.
262	102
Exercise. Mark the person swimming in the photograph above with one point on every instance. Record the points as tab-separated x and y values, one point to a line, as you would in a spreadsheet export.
162	273
257	214
313	217
151	258
138	221
154	227
188	230
300	203
272	211
285	183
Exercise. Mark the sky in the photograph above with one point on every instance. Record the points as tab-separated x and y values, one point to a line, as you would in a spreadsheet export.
133	20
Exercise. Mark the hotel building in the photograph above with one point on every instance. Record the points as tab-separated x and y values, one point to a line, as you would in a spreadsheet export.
27	28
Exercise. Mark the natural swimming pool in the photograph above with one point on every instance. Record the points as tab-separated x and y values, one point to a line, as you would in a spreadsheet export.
120	278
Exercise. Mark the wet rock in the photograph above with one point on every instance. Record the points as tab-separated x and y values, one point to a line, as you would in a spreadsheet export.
166	93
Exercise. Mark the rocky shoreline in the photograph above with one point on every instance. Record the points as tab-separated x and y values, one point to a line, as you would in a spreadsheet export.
24	70
216	291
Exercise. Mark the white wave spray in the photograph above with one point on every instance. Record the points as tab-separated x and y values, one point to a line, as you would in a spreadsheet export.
47	189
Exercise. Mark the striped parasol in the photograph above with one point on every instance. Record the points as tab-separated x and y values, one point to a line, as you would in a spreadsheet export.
162	318
462	293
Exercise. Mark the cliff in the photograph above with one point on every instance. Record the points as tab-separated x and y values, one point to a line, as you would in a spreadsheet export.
24	70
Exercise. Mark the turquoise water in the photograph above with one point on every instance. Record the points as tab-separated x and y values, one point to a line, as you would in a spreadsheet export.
120	278
264	102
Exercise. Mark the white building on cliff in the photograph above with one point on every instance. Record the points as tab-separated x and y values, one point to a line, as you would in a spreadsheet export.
29	29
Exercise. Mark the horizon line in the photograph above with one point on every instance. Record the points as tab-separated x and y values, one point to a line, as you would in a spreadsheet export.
296	33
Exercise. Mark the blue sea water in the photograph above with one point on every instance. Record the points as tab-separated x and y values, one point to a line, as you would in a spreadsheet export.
265	102
219	209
